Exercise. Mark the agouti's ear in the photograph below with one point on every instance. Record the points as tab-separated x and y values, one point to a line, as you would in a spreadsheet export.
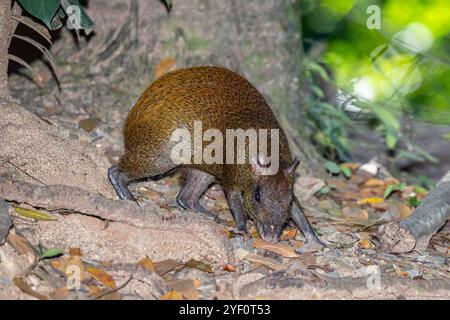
291	169
258	163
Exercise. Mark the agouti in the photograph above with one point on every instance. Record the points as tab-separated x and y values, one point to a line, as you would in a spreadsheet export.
221	100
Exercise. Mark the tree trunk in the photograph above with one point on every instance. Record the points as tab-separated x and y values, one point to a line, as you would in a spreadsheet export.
5	37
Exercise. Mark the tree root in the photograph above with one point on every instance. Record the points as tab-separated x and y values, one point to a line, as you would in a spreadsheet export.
415	232
131	232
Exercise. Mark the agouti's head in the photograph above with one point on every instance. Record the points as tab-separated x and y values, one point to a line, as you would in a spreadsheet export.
270	199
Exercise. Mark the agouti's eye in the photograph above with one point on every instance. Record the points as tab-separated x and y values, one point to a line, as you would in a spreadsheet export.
257	195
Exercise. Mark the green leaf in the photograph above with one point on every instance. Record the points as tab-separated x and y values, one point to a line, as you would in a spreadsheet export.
419	190
346	171
84	21
332	167
44	10
52	253
388	120
324	190
394	187
425	154
317	91
405	154
317	68
34	214
414	202
391	140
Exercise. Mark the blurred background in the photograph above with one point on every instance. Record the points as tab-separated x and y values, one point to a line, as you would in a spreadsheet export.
392	85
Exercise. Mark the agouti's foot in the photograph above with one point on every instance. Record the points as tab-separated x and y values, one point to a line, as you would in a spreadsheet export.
242	229
120	183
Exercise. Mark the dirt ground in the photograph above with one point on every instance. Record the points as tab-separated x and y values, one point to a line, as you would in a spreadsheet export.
65	213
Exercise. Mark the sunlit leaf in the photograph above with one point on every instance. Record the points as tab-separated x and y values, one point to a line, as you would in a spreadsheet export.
34	214
394	187
346	171
52	253
414	202
370	200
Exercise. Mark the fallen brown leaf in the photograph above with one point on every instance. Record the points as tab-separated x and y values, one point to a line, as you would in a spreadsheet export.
352	165
181	284
162	267
271	263
164	66
191	294
172	295
370	200
308	259
19	243
147	264
296	243
25	288
199	265
281	248
229	268
365	244
373	182
102	277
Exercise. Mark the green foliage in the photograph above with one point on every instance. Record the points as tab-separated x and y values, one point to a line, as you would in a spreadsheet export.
51	253
414	202
50	12
399	71
327	123
44	10
346	171
332	167
394	187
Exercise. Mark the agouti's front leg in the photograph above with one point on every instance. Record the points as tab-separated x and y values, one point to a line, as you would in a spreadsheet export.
236	204
299	218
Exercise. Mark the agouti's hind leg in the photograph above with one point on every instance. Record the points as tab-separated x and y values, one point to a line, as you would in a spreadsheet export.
135	165
196	183
120	181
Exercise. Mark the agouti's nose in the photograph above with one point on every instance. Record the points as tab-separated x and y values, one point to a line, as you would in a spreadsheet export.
269	233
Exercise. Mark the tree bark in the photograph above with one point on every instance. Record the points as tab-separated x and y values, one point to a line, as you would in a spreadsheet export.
415	232
5	37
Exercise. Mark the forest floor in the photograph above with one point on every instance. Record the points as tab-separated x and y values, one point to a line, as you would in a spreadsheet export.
159	251
346	212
